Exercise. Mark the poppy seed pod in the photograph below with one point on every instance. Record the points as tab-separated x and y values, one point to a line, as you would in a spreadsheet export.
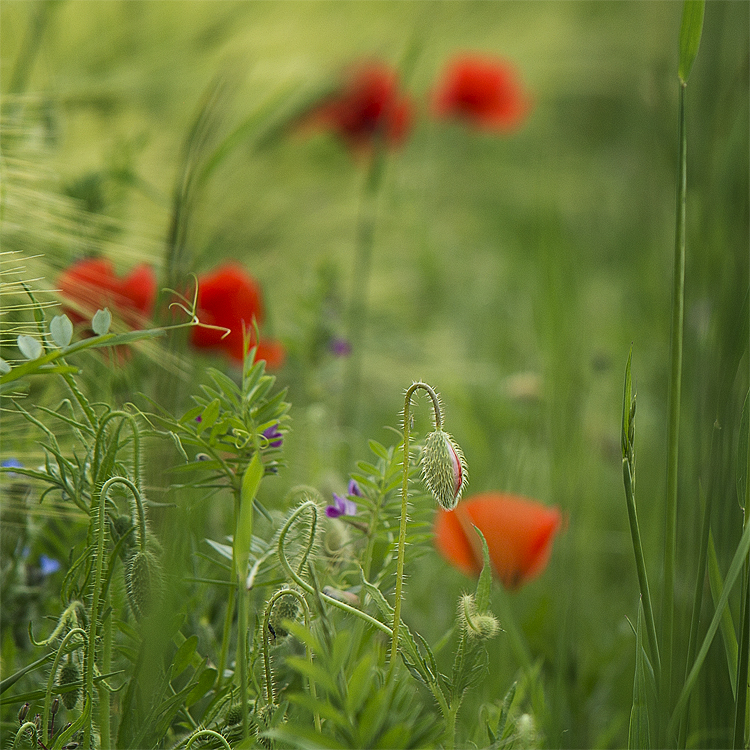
444	468
143	579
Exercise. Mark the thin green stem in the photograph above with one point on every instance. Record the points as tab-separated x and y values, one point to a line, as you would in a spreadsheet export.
404	505
673	426
242	629
640	565
225	634
356	319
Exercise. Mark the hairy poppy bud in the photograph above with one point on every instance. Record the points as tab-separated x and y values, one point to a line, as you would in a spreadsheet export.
69	674
444	468
480	625
143	580
284	608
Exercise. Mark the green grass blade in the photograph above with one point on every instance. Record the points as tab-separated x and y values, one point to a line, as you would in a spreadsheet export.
690	35
735	569
728	633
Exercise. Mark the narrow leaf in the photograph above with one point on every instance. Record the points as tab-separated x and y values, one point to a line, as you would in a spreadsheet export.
244	534
728	634
742	440
484	584
690	35
639	730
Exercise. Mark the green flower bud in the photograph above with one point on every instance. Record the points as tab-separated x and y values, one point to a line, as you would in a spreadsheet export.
69	674
481	626
143	580
284	608
444	468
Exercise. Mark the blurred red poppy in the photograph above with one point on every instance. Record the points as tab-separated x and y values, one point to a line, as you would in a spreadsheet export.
483	91
368	105
519	534
92	284
229	297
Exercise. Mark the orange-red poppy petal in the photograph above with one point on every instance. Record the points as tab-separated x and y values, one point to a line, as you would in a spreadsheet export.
519	534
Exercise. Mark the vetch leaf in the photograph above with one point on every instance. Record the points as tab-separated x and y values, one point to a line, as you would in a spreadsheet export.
30	347
101	322
61	330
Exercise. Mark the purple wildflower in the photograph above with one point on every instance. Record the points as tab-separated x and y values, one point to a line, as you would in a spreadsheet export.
354	489
342	506
340	347
274	436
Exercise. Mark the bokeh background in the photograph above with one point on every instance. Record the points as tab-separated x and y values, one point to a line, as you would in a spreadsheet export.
512	271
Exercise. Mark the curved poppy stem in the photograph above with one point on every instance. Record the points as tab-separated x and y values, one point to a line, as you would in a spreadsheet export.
404	504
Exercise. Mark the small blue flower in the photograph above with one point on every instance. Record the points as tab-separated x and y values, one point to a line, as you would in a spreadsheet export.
11	463
48	565
342	506
354	489
274	436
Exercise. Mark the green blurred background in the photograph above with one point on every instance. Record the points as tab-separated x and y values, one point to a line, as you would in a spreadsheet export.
512	272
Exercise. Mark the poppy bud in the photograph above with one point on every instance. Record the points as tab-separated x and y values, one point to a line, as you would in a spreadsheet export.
284	608
69	674
482	626
444	468
143	580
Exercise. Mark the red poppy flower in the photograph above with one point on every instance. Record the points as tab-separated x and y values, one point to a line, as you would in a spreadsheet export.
483	91
229	297
519	534
366	106
92	284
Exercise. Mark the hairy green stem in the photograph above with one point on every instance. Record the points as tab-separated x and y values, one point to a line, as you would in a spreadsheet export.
270	698
105	714
404	505
313	508
27	726
53	674
673	426
207	733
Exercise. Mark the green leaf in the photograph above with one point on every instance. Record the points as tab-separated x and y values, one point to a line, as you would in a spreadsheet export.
205	683
210	415
184	655
30	347
639	733
484	584
690	35
244	534
101	322
61	330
